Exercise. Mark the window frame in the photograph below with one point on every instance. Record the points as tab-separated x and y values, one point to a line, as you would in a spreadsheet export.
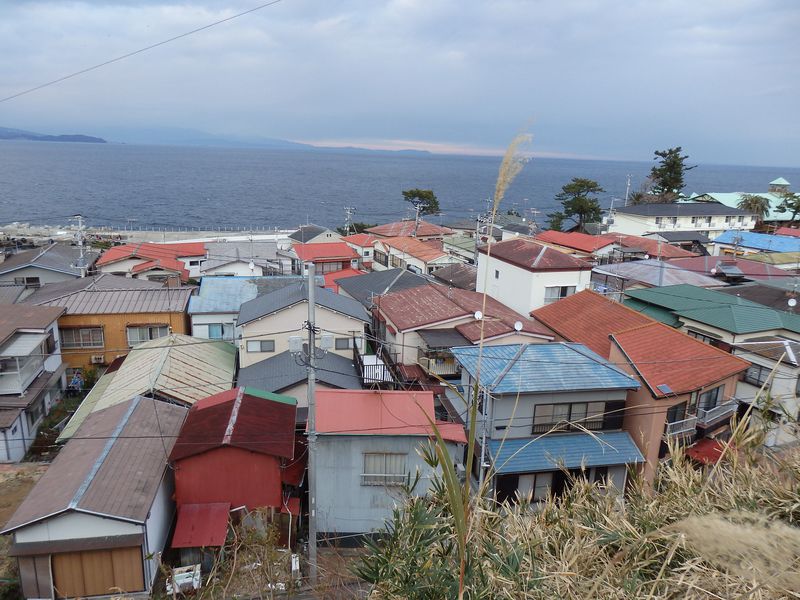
717	392
261	343
65	344
397	477
159	326
760	379
549	299
563	416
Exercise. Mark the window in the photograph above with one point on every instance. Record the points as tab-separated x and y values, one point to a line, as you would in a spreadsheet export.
673	220
659	220
195	263
29	282
496	274
708	220
555	293
601	475
381	258
35	412
676	413
347	343
145	333
728	220
709	399
397	262
366	253
741	219
86	337
756	375
702	337
14	430
694	220
220	331
383	468
571	417
261	346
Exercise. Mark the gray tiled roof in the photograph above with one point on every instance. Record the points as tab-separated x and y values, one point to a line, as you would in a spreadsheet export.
307	233
56	257
262	252
364	287
281	371
294	294
9	294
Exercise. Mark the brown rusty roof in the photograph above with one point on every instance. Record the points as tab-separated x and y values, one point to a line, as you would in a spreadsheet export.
104	302
406	228
533	256
18	316
112	467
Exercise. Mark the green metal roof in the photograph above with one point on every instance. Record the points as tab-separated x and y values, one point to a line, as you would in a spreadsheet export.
654	312
779	181
724	311
270	396
86	407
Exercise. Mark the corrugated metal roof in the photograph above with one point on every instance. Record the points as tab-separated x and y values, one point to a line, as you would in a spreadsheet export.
542	368
227	294
424	251
105	302
102	281
442	338
113	467
261	252
534	256
366	287
324	251
201	525
568	451
656	273
294	294
458	275
760	241
281	372
87	406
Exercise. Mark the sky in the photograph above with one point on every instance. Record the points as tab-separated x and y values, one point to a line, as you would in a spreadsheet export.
613	79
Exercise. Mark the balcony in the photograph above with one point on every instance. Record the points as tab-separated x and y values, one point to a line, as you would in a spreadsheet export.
440	365
17	372
710	416
680	428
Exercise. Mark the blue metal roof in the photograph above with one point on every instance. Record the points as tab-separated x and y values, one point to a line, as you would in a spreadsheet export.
227	294
567	450
540	368
760	241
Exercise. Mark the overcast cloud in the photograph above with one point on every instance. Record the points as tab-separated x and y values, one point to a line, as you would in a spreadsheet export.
614	79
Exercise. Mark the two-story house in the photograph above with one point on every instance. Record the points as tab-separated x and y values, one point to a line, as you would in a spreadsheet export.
48	264
413	254
31	374
327	257
524	274
708	218
687	386
268	321
363	244
422	230
156	262
548	412
744	243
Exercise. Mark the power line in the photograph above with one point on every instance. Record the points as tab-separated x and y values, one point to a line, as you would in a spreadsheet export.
139	51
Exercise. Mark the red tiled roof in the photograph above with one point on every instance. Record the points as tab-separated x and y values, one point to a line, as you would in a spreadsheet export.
406	228
428	304
750	268
575	240
589	318
651	246
157	256
425	251
533	256
364	240
201	525
368	412
330	251
664	356
330	278
706	451
788	231
238	418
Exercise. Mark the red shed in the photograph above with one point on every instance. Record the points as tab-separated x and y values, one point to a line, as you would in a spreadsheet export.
233	449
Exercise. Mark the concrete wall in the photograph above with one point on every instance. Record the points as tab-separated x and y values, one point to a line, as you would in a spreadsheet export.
346	506
291	319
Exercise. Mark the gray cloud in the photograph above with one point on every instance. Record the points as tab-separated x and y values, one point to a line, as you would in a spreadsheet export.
614	78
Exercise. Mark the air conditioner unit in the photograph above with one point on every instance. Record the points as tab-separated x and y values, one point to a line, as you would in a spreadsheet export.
98	359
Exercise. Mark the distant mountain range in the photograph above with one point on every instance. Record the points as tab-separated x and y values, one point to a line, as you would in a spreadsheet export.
173	136
19	134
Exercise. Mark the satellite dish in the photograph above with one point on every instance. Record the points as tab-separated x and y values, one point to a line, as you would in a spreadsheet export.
478	315
251	265
518	326
714	271
647	257
792	302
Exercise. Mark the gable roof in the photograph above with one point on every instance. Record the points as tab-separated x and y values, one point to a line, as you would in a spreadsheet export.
670	362
330	251
243	418
533	256
655	273
652	247
760	241
19	316
680	209
227	294
380	412
100	281
406	229
294	294
425	251
589	318
750	267
792	231
125	301
542	368
364	240
460	275
575	240
422	306
157	256
113	467
365	287
262	253
726	312
55	257
307	232
280	372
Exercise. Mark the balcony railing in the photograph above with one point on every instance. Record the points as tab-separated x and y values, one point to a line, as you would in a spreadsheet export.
679	428
444	367
707	416
17	372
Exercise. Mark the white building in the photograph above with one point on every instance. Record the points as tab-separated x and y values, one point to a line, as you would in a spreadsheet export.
412	254
525	275
708	218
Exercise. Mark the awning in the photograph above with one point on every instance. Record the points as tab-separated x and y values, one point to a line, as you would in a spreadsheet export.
568	451
706	451
442	338
201	525
23	344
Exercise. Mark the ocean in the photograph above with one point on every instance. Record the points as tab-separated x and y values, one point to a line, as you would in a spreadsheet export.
169	186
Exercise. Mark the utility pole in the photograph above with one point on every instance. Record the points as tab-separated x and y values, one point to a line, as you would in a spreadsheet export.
312	428
349	211
80	238
627	189
417	204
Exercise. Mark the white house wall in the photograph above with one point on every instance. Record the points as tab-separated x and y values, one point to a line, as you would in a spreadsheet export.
14	440
158	524
44	275
74	525
237	269
201	322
